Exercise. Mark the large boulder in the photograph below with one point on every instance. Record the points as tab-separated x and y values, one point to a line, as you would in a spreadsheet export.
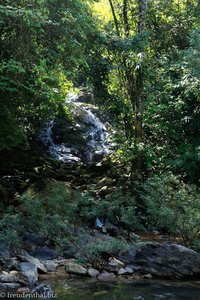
163	260
28	272
25	257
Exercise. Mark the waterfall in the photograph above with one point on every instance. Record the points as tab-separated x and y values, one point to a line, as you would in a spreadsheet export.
87	126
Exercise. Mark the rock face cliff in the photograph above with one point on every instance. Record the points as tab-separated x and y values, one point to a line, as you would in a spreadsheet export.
84	138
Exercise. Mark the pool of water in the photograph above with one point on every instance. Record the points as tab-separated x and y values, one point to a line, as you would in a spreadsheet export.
138	290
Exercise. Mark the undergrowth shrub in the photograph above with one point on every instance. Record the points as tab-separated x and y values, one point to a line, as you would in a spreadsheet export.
120	208
11	228
98	251
52	214
173	206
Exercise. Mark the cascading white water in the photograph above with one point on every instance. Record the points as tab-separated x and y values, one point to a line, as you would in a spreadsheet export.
95	134
57	151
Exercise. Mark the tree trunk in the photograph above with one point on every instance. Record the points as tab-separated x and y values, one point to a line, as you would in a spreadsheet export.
138	101
114	17
125	17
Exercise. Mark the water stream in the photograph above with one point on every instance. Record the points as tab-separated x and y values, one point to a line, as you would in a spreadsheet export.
93	134
135	290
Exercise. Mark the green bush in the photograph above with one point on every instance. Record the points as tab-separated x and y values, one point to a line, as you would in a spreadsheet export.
11	227
52	212
94	252
120	208
173	206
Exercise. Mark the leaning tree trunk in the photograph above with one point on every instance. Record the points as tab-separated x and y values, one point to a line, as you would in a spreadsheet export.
139	99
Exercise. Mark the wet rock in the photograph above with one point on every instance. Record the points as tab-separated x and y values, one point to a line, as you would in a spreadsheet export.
105	276
25	257
163	260
72	267
28	271
93	273
84	139
45	253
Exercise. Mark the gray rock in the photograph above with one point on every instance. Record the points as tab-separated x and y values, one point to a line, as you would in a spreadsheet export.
28	271
7	278
45	253
74	268
8	286
114	265
122	271
126	270
148	276
50	265
11	278
5	273
14	272
93	273
129	270
25	257
105	276
163	260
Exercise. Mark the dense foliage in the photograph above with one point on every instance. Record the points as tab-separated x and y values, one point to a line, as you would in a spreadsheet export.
43	44
141	62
